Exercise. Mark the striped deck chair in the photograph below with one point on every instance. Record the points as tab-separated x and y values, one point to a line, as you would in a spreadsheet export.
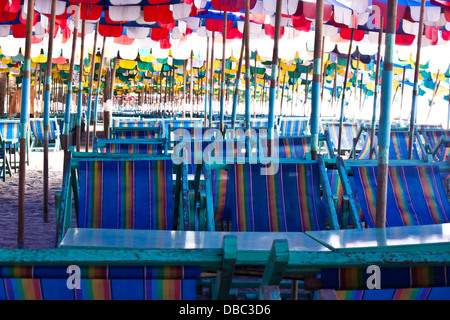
5	167
49	282
259	123
126	194
294	147
349	132
132	146
10	130
37	129
432	138
364	153
286	201
293	127
135	132
135	124
415	197
398	147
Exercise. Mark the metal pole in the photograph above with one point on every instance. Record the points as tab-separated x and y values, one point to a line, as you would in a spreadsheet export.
97	91
273	76
24	115
416	79
207	82
222	76
47	88
315	98
247	63
65	135
237	79
344	87
211	88
91	81
385	116
375	94
80	86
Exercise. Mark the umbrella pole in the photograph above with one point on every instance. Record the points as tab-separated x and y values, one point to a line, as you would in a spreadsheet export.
191	85
375	93
401	96
436	87
99	79
282	93
211	87
237	79
80	86
222	74
273	76
385	116
91	81
184	88
306	91
315	98
47	88
416	79
246	46
207	83
344	86
24	115
65	135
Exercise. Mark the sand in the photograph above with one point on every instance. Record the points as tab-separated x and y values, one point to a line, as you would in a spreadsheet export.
37	234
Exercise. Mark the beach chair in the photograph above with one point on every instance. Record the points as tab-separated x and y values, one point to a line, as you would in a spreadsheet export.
37	129
136	132
130	146
133	192
123	191
398	145
10	130
298	147
176	134
435	142
141	282
415	196
286	200
349	133
5	167
293	126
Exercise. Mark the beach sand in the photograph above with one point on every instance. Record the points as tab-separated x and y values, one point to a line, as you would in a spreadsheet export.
37	234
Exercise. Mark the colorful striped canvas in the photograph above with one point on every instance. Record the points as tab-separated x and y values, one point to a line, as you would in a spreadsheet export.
9	129
22	289
109	197
37	128
286	201
415	196
349	132
136	124
432	137
219	180
405	183
133	148
136	134
286	147
293	127
365	149
390	278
